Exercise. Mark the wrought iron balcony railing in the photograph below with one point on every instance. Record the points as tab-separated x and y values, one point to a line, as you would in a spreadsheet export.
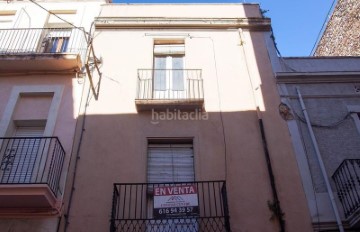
31	160
25	41
347	181
177	207
170	84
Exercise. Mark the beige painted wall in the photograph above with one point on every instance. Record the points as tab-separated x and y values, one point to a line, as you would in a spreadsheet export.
114	146
194	10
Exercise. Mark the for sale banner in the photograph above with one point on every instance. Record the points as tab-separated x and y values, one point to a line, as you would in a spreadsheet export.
175	201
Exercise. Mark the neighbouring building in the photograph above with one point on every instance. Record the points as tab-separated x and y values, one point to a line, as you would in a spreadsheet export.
321	95
321	102
42	68
341	36
181	131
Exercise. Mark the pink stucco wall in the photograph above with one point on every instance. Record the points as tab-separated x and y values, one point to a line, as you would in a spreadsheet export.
237	79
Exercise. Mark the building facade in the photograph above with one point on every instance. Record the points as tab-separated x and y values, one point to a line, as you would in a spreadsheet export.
320	101
341	34
181	131
326	141
41	83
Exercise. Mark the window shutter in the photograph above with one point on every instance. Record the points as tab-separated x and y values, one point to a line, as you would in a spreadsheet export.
169	49
170	164
29	132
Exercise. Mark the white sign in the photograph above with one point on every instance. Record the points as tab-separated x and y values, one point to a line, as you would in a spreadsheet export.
175	201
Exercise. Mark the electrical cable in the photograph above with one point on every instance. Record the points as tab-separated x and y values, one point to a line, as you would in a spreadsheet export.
76	160
331	125
79	28
89	34
275	205
219	100
220	107
111	79
307	153
272	36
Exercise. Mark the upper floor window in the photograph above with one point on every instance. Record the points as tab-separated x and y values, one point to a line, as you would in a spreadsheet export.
7	18
57	40
169	69
55	18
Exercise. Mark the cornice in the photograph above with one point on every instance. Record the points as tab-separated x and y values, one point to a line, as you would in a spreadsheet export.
262	24
317	77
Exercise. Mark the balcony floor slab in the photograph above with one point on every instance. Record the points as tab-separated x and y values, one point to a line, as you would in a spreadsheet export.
27	200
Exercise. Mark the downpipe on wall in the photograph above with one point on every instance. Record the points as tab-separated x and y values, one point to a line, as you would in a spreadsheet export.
275	205
321	163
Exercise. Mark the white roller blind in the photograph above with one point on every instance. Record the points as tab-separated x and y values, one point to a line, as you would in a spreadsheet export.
29	131
173	163
169	49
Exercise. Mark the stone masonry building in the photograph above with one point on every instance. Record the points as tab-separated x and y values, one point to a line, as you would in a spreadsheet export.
342	33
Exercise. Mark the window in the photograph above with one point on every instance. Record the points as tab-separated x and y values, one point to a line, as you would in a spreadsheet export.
169	69
170	161
20	155
56	22
57	31
56	43
7	18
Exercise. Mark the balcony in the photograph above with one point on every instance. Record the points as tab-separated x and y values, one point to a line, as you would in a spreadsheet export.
179	207
161	89
42	50
30	172
347	181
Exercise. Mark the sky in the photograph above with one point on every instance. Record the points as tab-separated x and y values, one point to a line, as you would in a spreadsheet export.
296	23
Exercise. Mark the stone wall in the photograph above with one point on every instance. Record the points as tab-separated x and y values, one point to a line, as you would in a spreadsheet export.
342	34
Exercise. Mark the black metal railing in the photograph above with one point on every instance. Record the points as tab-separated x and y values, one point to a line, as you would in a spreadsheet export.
31	160
177	207
347	181
42	40
168	84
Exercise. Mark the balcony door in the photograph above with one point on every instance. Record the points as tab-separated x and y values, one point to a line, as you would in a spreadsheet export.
170	163
168	77
56	41
20	155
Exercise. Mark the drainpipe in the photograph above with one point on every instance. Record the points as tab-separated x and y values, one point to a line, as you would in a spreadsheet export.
321	163
276	203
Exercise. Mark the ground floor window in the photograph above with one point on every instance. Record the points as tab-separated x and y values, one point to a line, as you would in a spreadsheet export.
170	161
